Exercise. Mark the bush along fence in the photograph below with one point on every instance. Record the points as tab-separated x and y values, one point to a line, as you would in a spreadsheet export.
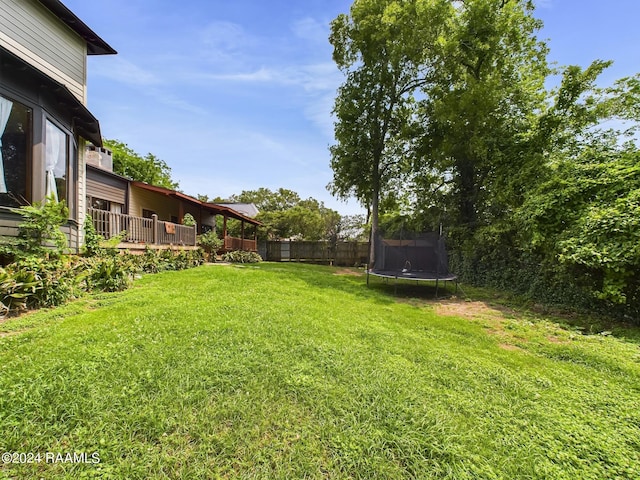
333	253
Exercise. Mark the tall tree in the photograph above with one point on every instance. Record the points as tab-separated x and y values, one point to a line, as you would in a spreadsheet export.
480	108
380	47
149	169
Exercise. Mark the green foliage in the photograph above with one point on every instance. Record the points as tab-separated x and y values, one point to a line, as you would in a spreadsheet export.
444	117
154	261
585	216
149	169
240	256
285	215
92	239
58	279
39	233
189	220
353	228
210	243
111	273
34	282
15	291
380	47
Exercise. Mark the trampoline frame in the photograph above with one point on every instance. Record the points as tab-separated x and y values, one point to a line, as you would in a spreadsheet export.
417	276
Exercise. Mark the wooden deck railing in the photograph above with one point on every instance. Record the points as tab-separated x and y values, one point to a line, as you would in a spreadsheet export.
141	230
235	243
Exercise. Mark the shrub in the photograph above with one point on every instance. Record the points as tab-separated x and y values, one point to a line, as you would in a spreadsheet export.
92	239
188	220
39	233
240	256
210	243
15	291
58	280
111	273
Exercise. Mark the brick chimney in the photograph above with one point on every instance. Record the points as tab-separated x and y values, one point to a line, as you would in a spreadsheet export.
99	157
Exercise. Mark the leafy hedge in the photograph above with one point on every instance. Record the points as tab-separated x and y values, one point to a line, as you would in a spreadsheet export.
240	256
34	283
540	279
45	276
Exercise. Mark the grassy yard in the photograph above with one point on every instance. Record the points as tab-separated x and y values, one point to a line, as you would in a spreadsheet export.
297	371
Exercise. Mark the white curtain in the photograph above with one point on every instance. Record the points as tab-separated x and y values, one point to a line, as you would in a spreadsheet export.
5	111
54	138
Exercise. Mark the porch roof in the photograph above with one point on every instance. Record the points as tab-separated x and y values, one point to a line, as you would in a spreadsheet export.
230	212
210	207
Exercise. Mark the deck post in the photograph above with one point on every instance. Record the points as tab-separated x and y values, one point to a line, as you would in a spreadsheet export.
154	217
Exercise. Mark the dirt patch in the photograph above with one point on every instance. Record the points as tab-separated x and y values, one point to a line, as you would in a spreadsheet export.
507	346
468	310
554	339
493	319
349	272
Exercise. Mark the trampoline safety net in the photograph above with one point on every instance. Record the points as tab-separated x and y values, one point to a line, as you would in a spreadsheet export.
418	256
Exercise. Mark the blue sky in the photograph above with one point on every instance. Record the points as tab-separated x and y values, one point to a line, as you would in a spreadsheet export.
237	95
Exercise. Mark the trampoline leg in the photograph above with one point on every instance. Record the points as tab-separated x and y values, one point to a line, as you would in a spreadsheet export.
367	278
436	288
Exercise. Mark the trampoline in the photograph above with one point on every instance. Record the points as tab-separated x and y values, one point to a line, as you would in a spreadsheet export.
419	257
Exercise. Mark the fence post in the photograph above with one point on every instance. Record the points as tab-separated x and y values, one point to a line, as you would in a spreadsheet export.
154	217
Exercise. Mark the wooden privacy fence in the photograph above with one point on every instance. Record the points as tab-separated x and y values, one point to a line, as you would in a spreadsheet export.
335	253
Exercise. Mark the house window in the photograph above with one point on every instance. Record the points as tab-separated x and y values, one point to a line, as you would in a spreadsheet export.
56	162
147	213
15	151
100	204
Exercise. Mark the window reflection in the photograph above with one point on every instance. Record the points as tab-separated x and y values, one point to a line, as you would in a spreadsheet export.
15	139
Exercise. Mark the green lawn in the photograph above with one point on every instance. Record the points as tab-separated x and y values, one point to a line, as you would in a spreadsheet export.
292	371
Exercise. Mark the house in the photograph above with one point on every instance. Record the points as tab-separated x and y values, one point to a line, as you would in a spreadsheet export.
51	145
44	121
151	215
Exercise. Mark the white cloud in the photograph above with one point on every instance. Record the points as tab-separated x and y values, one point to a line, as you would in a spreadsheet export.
121	70
319	112
223	42
311	29
261	75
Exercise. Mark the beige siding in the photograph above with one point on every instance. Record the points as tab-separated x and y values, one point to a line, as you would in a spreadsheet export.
106	192
73	238
164	206
33	33
82	188
9	228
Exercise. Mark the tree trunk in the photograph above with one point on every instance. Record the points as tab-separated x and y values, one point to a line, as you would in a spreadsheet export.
375	202
468	195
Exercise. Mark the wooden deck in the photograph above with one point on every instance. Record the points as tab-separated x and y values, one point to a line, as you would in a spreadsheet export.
142	231
235	243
